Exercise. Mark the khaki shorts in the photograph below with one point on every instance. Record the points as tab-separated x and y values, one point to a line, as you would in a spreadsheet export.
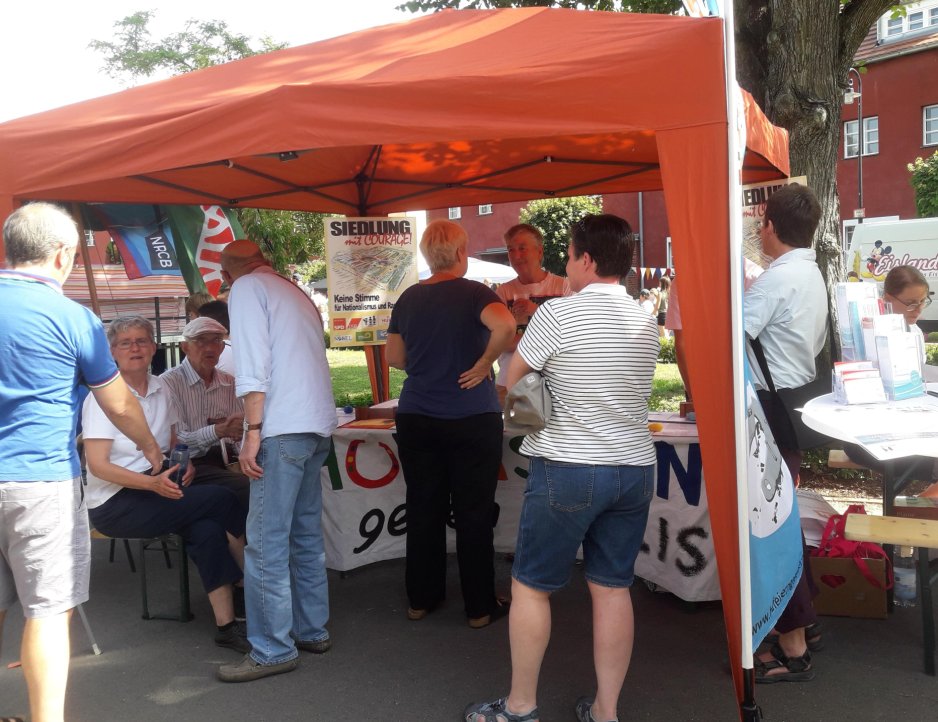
45	546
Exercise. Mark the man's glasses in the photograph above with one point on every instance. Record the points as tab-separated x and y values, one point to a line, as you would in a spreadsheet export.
203	342
126	344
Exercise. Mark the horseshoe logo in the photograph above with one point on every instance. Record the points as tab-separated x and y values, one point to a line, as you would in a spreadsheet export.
362	480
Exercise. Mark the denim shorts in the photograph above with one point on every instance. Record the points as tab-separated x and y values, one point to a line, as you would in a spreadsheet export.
604	508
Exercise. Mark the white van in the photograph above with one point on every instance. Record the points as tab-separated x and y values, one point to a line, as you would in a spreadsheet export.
878	247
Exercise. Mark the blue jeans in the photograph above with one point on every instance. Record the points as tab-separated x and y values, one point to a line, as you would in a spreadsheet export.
604	508
286	594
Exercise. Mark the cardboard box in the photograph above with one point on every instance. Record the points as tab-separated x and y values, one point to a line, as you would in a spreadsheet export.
843	591
916	507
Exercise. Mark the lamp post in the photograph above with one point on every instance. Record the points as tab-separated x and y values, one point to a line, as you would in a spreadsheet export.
849	96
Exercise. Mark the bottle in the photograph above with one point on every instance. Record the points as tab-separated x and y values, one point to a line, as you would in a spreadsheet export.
179	456
905	591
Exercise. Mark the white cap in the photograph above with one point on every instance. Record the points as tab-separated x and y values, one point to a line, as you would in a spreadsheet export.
202	325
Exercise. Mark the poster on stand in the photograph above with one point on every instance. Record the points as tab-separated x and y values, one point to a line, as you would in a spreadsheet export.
754	197
370	262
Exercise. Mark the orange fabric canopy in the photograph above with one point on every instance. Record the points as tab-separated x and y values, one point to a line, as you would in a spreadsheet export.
456	108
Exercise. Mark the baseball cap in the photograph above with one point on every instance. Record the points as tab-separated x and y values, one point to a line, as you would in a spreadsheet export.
202	325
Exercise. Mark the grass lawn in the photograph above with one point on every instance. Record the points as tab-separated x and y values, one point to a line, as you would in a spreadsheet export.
350	381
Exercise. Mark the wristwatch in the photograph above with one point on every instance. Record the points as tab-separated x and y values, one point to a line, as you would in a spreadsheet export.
245	426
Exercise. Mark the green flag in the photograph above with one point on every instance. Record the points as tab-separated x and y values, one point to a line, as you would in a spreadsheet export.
201	233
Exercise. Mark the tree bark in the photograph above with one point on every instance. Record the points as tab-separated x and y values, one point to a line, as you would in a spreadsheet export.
793	56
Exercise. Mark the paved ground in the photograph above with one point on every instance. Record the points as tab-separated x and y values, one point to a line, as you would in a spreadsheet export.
386	668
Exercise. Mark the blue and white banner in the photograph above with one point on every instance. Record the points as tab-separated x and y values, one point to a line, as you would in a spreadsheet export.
143	236
775	549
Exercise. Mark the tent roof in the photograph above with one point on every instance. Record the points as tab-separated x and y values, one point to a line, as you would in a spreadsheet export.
455	108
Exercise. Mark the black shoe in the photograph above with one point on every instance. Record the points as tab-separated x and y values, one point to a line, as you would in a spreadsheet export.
320	646
235	637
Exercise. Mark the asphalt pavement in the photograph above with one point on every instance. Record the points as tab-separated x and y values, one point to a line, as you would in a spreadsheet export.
384	667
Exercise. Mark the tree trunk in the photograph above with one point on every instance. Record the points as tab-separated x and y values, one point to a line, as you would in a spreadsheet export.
793	57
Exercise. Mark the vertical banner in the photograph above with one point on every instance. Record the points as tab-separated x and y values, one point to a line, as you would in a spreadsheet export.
775	556
371	261
202	233
143	238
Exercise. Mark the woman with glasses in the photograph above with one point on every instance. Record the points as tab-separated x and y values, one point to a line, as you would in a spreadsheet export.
907	290
128	499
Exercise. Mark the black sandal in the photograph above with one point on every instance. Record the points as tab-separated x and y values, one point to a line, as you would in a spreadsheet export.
812	636
797	669
490	712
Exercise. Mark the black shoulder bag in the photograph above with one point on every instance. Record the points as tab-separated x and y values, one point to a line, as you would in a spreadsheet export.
780	406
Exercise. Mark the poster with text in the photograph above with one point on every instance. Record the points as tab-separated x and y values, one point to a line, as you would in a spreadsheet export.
754	198
370	262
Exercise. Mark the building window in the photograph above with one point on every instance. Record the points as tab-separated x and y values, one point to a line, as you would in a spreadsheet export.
930	124
933	16
455	213
893	27
485	210
89	238
916	20
870	137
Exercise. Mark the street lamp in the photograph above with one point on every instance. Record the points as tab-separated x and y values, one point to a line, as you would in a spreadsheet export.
849	95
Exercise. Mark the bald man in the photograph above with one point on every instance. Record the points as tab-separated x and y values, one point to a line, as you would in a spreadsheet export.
289	416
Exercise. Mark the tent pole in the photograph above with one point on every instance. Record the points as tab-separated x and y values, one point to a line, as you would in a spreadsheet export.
378	372
86	259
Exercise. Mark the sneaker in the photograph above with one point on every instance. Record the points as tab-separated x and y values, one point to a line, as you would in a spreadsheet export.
247	670
320	646
235	637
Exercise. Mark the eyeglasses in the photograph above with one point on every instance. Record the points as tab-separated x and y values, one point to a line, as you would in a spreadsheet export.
203	342
923	304
138	342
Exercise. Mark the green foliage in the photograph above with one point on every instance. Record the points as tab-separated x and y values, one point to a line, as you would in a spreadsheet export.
667	390
816	461
313	270
666	354
931	350
350	384
554	216
203	43
287	237
925	182
664	7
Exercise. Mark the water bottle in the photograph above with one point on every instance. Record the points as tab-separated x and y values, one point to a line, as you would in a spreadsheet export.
179	456
905	590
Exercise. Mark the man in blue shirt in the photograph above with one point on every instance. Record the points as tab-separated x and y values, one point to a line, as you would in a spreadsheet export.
48	346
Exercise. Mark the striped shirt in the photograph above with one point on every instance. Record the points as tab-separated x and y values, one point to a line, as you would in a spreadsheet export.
598	351
196	403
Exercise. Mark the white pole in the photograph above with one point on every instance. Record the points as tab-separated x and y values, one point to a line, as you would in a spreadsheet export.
736	148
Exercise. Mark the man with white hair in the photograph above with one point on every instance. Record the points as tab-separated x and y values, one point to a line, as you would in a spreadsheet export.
533	286
210	413
48	346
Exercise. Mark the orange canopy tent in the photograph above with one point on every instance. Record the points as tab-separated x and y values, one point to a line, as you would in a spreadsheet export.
456	108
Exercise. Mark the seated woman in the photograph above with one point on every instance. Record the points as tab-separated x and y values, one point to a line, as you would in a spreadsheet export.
126	500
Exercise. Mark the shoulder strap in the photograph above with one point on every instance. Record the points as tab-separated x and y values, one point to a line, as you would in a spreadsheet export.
763	364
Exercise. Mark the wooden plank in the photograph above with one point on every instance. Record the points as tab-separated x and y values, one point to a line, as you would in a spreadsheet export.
892	530
838	459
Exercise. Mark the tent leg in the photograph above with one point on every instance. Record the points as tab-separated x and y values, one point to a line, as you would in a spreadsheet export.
749	711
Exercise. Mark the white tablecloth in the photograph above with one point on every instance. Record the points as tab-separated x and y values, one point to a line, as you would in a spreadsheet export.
364	513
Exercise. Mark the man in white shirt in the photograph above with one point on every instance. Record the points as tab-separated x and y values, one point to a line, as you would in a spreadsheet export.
208	411
530	289
289	416
786	309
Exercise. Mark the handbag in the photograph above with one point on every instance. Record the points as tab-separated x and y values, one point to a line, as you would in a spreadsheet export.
834	544
528	404
781	407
